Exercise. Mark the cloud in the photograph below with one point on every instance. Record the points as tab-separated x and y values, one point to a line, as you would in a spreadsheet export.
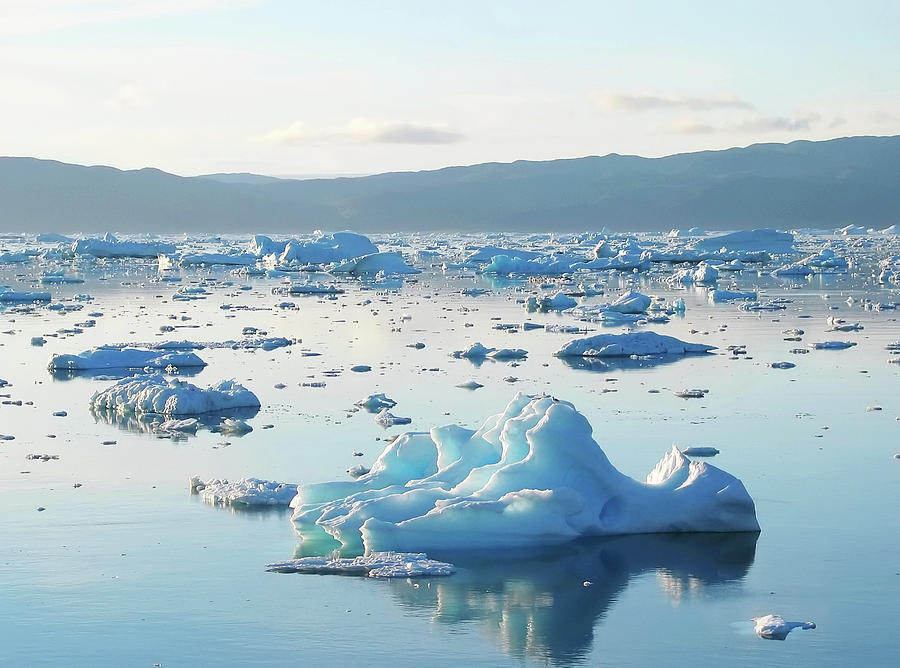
613	101
752	125
18	17
777	123
363	131
132	96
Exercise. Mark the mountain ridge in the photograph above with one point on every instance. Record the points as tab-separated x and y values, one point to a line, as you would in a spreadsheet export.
799	184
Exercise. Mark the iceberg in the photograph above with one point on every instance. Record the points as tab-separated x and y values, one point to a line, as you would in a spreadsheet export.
530	475
243	492
156	394
390	263
766	240
110	247
124	358
8	295
632	343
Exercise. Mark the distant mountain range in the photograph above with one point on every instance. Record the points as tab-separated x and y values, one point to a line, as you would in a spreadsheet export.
825	184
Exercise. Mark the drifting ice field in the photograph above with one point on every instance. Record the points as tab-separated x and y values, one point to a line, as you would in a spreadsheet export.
124	566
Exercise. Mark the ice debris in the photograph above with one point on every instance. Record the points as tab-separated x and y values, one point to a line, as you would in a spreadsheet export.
374	565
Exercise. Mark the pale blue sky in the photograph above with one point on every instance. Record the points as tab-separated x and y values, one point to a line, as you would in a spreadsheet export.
279	87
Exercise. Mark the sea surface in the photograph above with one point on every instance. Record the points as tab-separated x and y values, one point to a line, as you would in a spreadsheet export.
130	569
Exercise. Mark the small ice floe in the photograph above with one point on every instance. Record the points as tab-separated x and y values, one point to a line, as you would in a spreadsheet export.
375	403
374	565
558	302
38	340
470	385
832	345
59	414
357	471
479	352
700	451
386	419
781	365
690	394
773	627
41	457
871	409
360	368
243	492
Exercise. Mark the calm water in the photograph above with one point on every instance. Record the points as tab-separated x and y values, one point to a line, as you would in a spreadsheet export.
130	570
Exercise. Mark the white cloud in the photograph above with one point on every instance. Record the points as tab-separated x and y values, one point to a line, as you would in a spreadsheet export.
21	17
752	125
615	101
363	131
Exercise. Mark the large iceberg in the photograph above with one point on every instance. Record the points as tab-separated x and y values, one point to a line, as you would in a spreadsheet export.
124	358
768	240
111	247
156	394
530	475
632	343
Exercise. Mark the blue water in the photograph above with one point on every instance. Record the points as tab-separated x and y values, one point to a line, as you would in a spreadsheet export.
130	570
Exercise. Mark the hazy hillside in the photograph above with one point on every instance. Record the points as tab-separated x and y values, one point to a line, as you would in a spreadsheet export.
820	184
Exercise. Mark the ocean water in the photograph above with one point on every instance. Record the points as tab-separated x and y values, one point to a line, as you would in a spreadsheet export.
129	569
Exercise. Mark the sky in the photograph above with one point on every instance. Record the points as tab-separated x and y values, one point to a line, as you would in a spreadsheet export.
289	87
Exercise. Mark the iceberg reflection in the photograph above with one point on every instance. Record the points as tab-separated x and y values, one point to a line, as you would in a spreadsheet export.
539	604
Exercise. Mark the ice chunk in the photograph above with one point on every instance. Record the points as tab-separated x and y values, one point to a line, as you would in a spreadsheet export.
376	402
377	263
530	475
243	492
156	394
386	419
626	345
375	565
124	358
773	627
111	247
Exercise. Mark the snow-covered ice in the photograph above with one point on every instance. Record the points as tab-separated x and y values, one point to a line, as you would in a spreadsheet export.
156	394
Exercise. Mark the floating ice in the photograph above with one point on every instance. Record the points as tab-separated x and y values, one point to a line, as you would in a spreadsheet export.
386	419
530	475
156	394
626	345
558	302
376	402
718	296
479	352
124	358
773	627
111	247
9	295
767	240
375	565
832	345
389	263
244	492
